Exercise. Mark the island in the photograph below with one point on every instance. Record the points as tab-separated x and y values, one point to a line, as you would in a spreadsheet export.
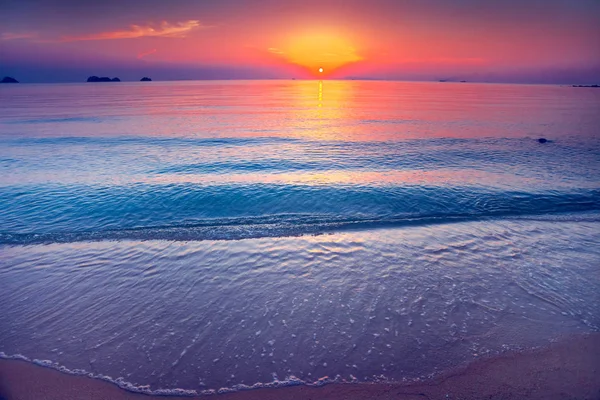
102	79
594	86
8	79
145	79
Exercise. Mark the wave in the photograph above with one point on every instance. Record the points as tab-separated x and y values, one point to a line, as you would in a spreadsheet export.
146	141
145	389
237	228
55	120
276	186
269	154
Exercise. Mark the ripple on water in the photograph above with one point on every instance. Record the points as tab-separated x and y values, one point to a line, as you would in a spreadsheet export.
401	303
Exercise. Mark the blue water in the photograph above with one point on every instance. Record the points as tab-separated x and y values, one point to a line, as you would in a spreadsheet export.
71	176
149	229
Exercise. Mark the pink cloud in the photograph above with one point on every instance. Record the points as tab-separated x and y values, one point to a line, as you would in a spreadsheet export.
18	36
165	29
146	53
445	60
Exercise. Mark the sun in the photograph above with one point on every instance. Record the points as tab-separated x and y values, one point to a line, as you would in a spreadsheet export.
321	54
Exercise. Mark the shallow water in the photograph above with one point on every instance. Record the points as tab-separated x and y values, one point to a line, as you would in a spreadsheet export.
120	204
394	303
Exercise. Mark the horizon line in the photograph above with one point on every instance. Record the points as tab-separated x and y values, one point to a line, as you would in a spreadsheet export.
312	79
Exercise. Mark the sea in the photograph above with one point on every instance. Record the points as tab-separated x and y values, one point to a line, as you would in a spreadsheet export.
195	237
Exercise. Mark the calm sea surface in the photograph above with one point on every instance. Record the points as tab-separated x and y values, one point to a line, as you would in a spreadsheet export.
193	236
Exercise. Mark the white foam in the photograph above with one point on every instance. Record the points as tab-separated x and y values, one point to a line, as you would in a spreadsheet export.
120	382
290	380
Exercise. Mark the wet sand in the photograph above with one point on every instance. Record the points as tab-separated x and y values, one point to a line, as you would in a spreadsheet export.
566	369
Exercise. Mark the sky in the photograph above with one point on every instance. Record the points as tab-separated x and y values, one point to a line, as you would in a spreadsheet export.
531	41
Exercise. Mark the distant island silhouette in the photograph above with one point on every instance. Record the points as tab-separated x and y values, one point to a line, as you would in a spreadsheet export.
145	79
8	79
452	80
586	86
102	79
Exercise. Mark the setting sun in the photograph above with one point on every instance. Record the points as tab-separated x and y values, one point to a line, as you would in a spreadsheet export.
318	52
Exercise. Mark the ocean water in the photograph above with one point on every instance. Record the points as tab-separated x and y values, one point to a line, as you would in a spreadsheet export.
195	236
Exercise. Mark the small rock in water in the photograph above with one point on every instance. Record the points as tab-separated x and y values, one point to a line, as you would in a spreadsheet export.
542	140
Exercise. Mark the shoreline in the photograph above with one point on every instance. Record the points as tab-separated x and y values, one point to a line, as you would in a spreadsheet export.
566	369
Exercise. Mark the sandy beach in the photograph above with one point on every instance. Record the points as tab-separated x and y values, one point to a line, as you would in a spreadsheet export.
566	369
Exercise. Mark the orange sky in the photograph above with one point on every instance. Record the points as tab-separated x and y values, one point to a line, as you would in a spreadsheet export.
378	38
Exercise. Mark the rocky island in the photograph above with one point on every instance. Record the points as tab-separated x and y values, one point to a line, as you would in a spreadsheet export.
8	79
145	79
102	79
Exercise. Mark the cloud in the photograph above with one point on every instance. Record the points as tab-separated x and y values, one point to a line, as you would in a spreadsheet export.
18	36
445	61
165	29
146	53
